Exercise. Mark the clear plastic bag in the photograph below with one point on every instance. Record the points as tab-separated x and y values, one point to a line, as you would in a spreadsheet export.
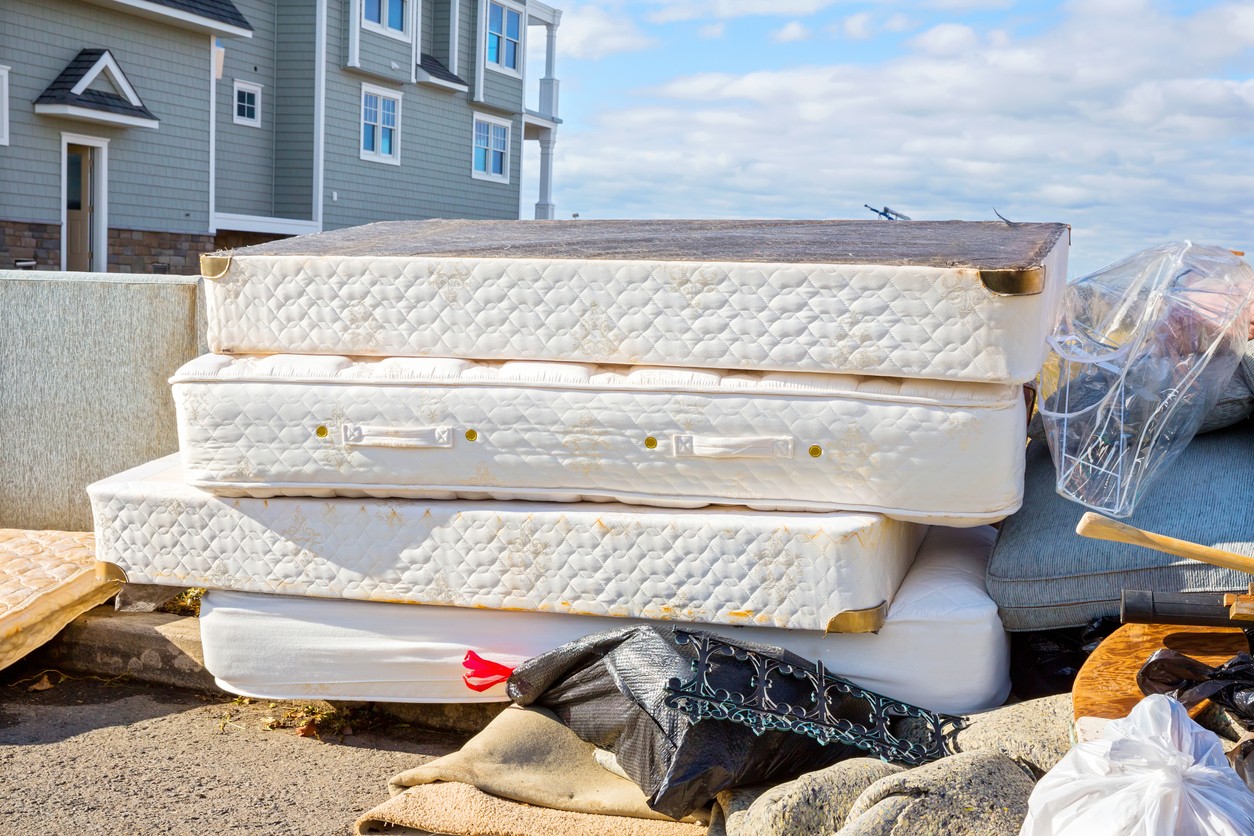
1154	773
1141	355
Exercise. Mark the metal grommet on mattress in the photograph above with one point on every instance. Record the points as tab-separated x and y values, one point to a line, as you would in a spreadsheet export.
650	443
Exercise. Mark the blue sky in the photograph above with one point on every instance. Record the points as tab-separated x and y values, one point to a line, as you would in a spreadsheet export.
1132	120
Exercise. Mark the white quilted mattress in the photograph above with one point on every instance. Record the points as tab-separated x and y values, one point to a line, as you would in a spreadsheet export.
942	647
924	300
926	451
806	571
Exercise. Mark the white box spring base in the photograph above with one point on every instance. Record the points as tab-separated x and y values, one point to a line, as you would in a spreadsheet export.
922	300
806	571
942	646
927	451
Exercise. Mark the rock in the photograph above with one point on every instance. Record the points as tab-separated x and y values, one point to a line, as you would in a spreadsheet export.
817	802
1221	721
1037	733
968	794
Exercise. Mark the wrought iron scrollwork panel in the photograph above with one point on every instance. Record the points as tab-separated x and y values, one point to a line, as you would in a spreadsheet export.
739	685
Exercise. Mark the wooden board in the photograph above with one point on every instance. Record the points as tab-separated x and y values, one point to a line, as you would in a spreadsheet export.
1106	686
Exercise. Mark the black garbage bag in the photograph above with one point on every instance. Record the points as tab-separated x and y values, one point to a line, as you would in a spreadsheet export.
622	691
1045	662
1189	681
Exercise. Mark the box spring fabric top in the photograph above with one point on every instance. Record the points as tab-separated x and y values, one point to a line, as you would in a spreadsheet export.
942	646
924	451
950	301
806	571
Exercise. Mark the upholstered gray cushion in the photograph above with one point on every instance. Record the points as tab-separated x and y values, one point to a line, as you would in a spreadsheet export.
1043	575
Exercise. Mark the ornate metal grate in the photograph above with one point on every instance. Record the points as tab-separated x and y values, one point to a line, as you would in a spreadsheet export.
733	683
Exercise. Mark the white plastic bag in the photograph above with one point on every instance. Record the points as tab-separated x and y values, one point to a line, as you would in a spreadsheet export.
1154	773
1142	353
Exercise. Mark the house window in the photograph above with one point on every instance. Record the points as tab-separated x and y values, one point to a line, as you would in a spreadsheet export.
4	105
247	104
380	125
391	17
491	152
504	37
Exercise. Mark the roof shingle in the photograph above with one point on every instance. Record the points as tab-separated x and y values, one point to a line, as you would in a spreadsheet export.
61	90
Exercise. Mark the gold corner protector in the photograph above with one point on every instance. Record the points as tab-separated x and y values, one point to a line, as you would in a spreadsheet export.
214	267
869	620
1029	282
110	572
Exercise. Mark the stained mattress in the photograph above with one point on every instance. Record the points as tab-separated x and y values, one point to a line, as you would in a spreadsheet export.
948	301
47	579
807	571
925	451
942	646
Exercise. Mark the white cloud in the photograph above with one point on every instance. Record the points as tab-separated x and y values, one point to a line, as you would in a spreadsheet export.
712	30
857	27
967	5
668	11
947	39
1120	119
899	23
594	32
790	32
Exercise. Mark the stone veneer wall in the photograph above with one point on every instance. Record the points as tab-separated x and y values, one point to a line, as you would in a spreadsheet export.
136	251
130	250
20	240
229	239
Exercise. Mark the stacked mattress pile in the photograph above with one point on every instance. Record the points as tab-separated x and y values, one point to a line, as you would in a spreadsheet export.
540	430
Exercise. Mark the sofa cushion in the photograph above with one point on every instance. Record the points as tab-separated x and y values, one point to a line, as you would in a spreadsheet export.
1044	576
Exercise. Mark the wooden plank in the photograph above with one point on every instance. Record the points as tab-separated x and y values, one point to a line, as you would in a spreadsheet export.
1106	686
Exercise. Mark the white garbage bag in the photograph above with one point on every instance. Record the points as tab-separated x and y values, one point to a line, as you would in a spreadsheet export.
1154	773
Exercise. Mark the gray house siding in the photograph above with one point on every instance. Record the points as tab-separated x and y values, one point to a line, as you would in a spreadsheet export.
435	22
157	179
294	109
245	165
502	91
434	177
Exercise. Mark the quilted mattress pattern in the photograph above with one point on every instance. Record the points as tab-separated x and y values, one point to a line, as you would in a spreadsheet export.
926	451
915	317
716	566
47	579
942	646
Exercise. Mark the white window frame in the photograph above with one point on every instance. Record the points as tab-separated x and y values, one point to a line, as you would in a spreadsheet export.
509	148
4	105
247	87
382	93
520	55
382	27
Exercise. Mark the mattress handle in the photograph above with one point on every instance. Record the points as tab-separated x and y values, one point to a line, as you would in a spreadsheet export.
365	435
732	447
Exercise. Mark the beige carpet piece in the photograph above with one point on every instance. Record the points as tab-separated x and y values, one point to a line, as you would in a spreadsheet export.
47	579
527	755
463	810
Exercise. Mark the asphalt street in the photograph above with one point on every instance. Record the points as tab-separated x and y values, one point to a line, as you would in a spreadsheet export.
92	756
